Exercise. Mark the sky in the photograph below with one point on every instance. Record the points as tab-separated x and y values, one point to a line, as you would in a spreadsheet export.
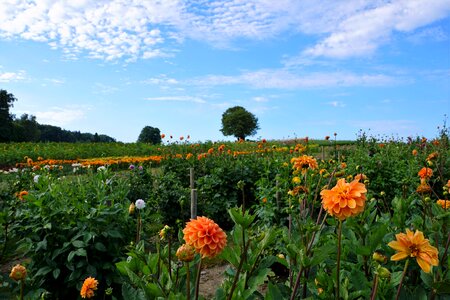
303	68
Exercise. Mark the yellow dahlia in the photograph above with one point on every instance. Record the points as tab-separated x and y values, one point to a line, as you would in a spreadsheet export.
344	199
415	245
205	236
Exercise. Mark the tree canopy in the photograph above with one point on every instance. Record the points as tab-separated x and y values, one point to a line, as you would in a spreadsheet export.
150	135
6	119
27	129
239	122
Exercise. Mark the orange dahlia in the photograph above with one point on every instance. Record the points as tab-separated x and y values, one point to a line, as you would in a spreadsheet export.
444	203
21	195
304	162
423	188
205	236
415	245
18	272
425	173
345	199
88	288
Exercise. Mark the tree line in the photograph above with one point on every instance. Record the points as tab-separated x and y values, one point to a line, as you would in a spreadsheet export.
27	129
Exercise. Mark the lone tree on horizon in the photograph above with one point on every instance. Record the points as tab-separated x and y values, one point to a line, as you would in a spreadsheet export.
150	135
239	122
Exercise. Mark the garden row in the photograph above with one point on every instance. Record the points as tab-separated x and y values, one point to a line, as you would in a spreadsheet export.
297	224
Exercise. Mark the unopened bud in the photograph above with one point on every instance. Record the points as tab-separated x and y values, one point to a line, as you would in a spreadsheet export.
185	253
377	256
383	272
131	208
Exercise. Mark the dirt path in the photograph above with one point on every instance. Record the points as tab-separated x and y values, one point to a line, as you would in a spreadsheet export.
211	278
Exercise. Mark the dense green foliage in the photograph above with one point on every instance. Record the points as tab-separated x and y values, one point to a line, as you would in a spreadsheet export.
74	221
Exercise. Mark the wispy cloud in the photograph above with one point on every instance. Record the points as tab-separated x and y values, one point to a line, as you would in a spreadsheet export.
12	76
177	98
284	79
100	88
60	116
115	29
362	32
336	103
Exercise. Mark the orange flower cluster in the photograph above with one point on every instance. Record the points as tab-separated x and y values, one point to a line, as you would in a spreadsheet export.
432	156
345	199
205	236
21	194
304	163
415	245
425	173
95	162
88	288
444	203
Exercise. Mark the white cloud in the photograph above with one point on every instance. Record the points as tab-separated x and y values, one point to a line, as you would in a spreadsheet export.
337	103
162	79
283	79
104	29
114	29
177	98
260	99
100	88
12	76
362	32
59	116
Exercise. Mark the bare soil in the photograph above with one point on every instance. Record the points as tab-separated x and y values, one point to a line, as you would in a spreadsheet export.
211	278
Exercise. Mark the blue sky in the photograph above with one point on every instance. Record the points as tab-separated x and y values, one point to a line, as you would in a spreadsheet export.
304	68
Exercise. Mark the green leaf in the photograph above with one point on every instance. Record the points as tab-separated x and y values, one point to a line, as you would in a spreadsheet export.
244	220
43	271
322	253
273	292
78	244
100	246
358	280
114	234
56	273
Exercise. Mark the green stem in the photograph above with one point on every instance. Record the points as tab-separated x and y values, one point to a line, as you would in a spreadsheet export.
22	285
338	268
401	280
238	271
197	280
373	295
170	263
188	282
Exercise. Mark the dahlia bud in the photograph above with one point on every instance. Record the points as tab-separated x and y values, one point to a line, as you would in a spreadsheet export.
377	256
18	272
185	253
131	208
383	272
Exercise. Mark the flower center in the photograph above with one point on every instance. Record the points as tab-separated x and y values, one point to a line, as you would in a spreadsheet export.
414	251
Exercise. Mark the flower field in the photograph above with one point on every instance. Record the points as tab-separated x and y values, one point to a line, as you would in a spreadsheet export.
301	219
